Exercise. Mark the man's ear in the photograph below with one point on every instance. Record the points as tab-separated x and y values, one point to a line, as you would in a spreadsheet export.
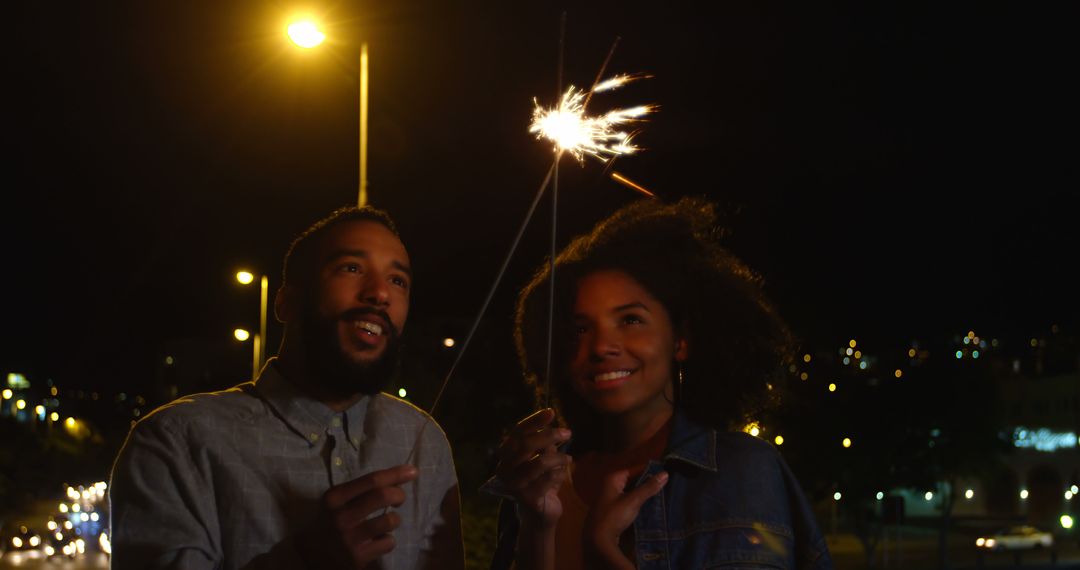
285	303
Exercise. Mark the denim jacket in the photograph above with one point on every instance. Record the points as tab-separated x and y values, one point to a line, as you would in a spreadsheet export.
731	502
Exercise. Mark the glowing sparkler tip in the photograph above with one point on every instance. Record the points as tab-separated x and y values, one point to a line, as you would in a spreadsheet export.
579	134
617	81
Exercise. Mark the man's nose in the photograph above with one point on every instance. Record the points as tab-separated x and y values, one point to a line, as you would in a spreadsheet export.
376	291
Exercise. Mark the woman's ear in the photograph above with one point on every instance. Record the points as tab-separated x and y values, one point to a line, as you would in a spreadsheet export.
682	348
682	341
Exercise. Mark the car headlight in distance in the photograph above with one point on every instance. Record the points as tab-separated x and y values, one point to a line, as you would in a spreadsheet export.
980	541
990	543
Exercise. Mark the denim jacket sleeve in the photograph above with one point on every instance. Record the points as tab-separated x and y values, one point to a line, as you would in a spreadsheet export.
811	553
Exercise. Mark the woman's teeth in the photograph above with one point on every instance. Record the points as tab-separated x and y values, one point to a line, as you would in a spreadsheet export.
609	376
369	327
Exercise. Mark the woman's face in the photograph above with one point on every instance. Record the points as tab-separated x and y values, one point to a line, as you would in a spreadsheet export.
624	345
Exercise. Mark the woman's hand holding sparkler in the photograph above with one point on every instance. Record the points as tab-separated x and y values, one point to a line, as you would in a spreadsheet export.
532	469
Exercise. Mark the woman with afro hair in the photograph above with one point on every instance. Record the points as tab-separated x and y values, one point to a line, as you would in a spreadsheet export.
663	345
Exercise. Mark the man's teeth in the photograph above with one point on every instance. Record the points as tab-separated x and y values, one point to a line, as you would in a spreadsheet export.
609	376
369	327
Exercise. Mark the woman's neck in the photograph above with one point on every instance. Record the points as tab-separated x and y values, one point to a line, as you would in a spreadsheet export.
632	429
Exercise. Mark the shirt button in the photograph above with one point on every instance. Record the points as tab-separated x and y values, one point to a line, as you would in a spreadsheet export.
337	461
336	422
313	437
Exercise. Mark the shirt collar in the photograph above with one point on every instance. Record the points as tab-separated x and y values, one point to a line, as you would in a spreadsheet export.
691	443
308	418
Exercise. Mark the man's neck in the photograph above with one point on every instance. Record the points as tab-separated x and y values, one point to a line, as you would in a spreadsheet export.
297	374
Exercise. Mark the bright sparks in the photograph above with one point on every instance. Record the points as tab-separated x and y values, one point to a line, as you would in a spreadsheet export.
617	82
579	134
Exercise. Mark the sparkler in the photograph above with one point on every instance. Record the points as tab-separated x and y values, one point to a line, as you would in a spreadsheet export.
579	134
573	131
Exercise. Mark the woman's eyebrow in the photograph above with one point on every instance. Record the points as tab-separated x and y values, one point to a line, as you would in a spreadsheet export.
634	305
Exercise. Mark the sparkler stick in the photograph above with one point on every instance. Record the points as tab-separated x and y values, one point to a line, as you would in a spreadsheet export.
572	131
554	227
483	308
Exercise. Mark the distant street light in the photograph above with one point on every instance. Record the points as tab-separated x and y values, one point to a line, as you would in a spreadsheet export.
241	335
258	355
306	34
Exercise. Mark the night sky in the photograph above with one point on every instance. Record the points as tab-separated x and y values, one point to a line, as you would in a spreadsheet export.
894	171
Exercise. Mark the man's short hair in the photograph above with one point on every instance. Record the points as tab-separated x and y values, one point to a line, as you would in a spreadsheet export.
300	266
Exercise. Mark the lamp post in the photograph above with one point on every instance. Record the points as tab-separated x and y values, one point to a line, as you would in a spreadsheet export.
306	35
258	357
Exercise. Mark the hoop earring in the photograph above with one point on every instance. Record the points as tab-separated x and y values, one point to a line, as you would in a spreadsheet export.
681	377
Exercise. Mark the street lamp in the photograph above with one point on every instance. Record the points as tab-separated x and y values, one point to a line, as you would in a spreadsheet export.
306	34
258	357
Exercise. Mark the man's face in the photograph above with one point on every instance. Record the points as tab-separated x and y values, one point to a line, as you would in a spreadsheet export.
355	309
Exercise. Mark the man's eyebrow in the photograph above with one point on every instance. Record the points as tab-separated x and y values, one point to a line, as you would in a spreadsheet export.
362	254
338	254
402	267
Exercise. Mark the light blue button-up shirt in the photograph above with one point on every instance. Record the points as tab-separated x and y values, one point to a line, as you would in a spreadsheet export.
226	479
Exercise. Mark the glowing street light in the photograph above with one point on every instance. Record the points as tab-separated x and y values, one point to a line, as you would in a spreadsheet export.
306	34
258	356
241	335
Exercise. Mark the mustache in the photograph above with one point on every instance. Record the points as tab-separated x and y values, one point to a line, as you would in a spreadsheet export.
359	312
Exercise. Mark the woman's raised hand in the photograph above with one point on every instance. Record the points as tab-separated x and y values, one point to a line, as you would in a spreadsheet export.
612	513
532	469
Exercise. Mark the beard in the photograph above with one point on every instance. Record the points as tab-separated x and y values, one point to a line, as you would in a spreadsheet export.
330	364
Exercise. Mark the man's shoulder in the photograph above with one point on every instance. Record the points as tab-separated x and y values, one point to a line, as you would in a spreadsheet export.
236	403
401	412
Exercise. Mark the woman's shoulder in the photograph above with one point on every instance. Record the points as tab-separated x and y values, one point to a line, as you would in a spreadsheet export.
742	443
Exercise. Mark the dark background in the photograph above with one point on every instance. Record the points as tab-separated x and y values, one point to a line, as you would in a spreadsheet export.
895	171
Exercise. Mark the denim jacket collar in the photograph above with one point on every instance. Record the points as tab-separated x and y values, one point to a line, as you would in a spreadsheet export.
691	443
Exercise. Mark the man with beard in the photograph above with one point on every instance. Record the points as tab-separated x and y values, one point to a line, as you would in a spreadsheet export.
307	466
